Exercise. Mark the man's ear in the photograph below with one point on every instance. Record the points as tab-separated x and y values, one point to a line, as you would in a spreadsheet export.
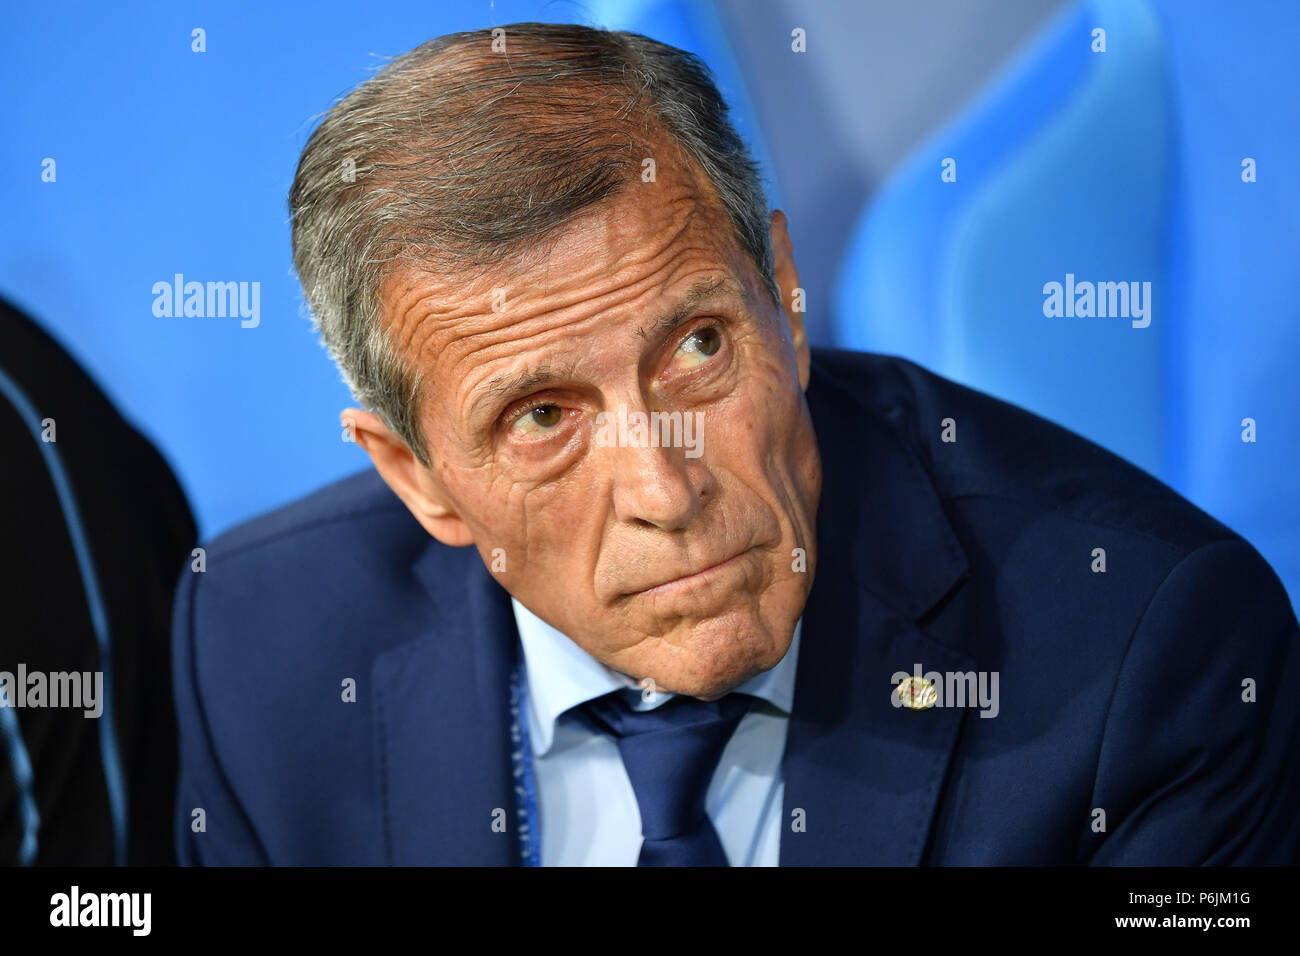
410	480
787	278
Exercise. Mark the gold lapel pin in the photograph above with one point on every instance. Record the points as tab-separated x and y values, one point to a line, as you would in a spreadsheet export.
917	693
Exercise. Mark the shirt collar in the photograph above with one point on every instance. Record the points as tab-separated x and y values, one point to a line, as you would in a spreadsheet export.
561	675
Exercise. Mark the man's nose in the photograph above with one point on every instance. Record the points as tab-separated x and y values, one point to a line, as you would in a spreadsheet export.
658	486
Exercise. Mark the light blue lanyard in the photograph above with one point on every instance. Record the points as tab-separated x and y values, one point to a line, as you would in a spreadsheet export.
521	759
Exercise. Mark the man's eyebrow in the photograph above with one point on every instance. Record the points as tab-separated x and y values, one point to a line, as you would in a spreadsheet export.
505	388
696	296
521	383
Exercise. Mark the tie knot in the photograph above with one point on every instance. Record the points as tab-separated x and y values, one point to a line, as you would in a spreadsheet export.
616	715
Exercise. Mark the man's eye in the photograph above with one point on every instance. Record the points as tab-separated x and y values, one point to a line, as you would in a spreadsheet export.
537	421
700	346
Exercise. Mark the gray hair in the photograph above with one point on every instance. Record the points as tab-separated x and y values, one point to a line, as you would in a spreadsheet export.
455	157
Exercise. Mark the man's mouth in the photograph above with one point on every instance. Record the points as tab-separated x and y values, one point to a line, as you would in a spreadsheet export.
693	579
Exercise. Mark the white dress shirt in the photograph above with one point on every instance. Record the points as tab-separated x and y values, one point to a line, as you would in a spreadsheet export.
587	809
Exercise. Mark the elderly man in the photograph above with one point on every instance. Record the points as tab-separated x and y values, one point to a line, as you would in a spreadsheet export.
735	600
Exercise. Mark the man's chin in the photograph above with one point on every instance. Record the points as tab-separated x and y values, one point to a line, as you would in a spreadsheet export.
713	657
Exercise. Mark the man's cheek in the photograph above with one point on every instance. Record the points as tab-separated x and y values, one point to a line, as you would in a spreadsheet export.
487	509
747	425
537	535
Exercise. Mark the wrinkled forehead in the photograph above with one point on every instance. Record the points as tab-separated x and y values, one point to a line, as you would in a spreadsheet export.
634	253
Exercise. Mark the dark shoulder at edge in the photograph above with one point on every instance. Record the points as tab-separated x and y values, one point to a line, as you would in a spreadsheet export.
1005	451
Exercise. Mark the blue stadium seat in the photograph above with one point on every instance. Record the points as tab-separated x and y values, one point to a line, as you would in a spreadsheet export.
1116	166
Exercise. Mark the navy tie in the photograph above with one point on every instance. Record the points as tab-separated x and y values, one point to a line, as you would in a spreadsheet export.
670	754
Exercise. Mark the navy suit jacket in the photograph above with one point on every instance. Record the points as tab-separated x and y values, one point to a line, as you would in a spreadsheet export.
1120	691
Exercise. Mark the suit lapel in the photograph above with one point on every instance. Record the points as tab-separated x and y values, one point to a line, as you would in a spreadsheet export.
863	775
443	723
